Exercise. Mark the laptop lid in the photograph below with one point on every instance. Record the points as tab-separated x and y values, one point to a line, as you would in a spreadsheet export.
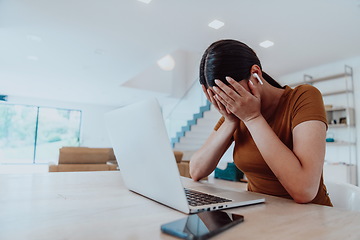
147	162
144	154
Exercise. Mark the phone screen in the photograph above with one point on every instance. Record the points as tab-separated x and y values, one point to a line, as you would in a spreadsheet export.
202	225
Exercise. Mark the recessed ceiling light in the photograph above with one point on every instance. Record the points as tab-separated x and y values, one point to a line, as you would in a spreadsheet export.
266	44
216	24
166	63
32	58
145	1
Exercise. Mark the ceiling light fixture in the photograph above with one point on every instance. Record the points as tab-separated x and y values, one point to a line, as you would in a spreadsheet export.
166	63
145	1
216	24
266	44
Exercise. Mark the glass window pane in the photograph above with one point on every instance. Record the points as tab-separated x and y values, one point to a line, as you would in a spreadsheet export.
56	128
17	133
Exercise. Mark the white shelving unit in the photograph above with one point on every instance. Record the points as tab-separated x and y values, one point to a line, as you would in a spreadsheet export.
339	99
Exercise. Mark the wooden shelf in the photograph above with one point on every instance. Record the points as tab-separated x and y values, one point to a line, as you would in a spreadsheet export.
336	92
340	143
331	77
338	125
338	114
334	109
338	89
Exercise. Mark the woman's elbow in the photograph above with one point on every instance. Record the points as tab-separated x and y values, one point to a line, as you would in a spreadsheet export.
195	178
194	173
304	196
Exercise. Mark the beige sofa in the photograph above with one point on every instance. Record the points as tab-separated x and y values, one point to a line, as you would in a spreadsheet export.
75	159
182	165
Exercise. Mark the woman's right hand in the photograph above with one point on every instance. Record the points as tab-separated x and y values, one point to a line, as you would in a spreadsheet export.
219	106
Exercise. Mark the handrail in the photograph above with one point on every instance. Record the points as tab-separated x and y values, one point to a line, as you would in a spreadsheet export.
181	99
184	108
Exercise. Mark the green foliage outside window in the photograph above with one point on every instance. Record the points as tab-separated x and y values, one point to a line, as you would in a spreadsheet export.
31	134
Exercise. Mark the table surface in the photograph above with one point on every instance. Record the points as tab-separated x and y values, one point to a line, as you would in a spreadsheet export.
96	205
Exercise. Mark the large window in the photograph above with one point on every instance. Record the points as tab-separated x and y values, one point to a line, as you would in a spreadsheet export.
31	134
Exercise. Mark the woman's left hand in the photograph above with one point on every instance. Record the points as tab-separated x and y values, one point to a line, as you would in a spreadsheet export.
237	100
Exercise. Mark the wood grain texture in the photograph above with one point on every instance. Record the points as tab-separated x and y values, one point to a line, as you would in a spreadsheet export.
96	205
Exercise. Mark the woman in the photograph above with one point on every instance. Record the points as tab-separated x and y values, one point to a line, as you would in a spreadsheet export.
279	132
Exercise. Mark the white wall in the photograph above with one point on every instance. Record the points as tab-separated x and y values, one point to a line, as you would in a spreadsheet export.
331	69
94	132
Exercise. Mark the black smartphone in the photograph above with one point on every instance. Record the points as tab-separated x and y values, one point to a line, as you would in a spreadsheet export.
202	225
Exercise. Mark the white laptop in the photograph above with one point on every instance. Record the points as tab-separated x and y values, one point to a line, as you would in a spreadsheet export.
148	166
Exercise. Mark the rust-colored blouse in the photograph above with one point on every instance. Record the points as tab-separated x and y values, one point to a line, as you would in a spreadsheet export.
297	105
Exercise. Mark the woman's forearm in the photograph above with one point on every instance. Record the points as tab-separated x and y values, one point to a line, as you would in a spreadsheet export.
205	160
299	172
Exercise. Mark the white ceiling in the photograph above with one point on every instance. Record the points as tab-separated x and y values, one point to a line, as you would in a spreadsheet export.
89	48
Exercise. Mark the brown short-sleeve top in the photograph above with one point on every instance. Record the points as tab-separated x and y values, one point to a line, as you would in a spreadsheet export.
297	105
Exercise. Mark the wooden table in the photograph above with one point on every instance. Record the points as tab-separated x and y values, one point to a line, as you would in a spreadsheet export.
96	205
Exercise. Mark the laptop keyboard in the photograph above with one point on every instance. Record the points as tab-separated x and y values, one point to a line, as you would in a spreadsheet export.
196	198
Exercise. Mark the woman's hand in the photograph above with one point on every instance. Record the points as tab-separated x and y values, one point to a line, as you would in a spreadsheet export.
237	100
219	106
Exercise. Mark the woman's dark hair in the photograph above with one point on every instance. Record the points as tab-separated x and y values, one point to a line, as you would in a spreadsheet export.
229	58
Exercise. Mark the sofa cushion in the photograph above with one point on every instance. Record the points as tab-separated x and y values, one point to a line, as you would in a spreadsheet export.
81	167
184	169
178	156
111	154
71	155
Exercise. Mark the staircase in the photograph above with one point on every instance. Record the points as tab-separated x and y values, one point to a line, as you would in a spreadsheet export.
194	134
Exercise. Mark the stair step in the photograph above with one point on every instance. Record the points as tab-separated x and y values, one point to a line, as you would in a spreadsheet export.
202	127
193	136
200	133
207	121
212	114
185	146
192	142
197	135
